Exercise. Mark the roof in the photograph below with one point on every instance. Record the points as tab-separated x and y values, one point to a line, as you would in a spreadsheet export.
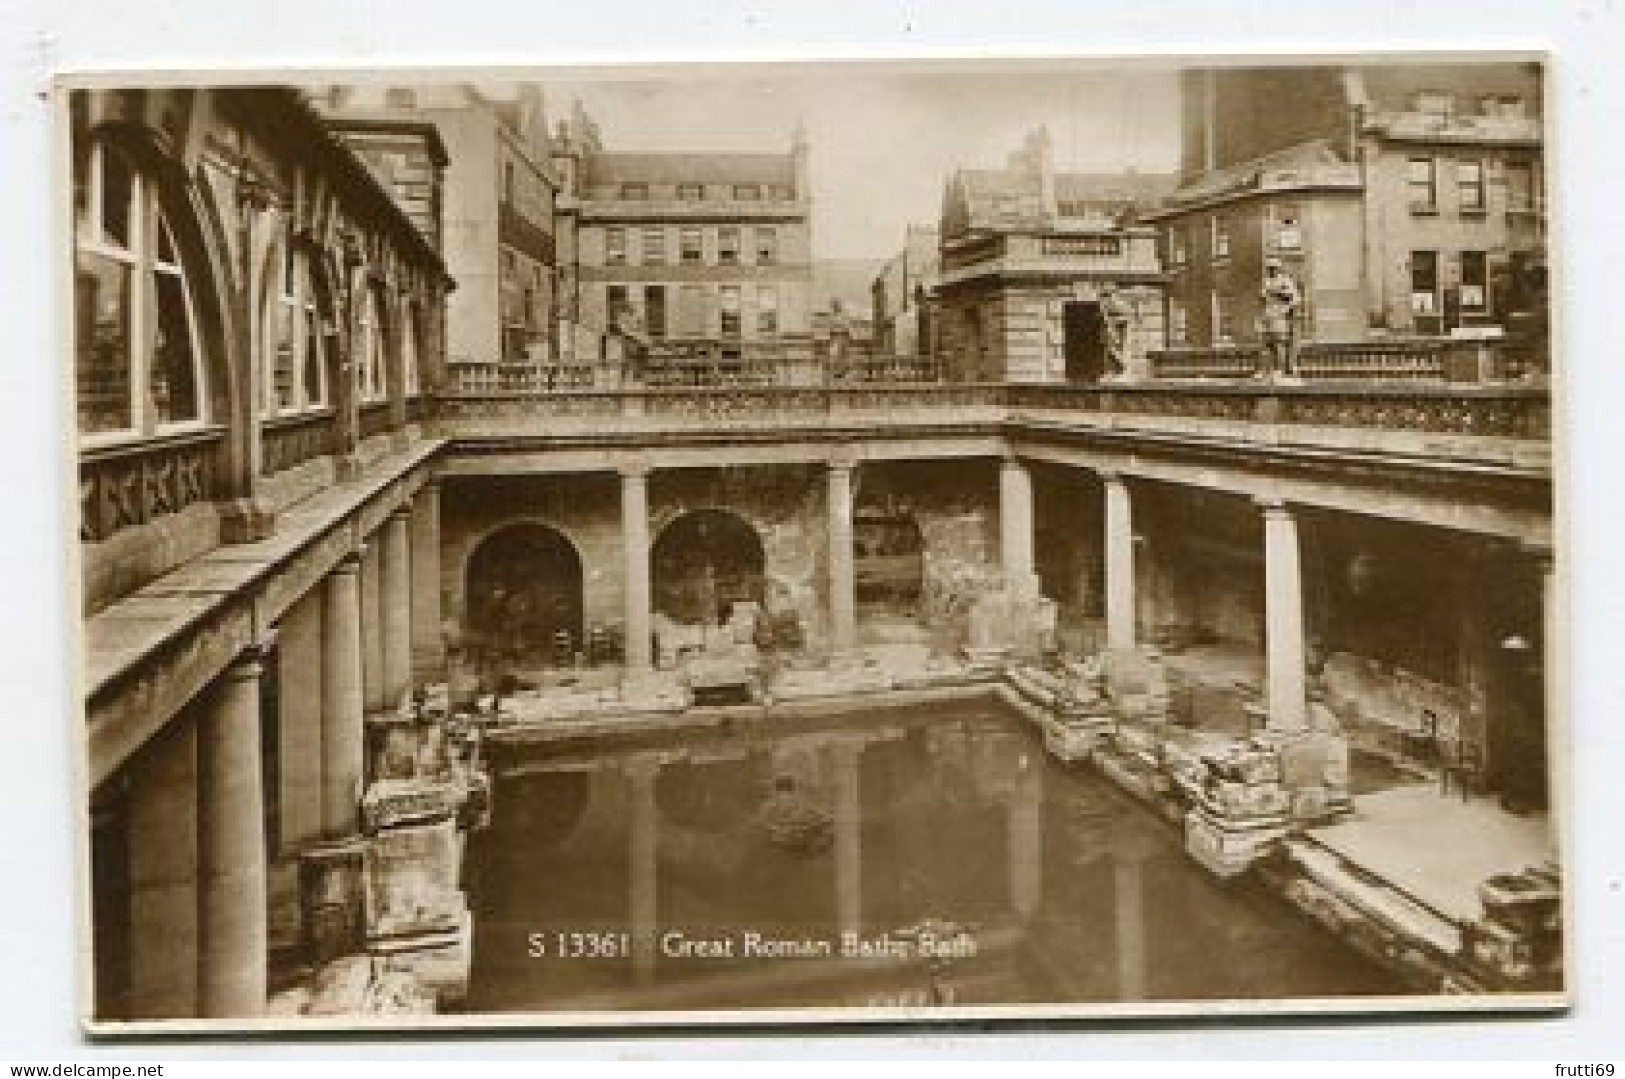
1232	178
689	167
1011	198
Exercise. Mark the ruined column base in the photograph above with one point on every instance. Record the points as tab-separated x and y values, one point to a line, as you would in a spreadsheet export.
1227	847
332	898
1075	737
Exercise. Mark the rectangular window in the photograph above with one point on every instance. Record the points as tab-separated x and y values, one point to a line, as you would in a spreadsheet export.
1425	283
767	245
615	304
767	310
728	297
782	192
748	192
654	310
1222	328
1520	187
1470	186
636	192
1178	327
691	192
1178	254
1288	232
1221	238
654	247
1475	282
689	246
728	245
1421	180
615	247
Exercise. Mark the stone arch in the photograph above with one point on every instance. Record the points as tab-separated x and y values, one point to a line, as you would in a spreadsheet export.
524	604
703	560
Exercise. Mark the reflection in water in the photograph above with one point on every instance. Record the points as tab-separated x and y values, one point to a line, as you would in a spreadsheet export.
922	857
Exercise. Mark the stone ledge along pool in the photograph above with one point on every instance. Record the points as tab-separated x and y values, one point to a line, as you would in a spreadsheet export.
903	857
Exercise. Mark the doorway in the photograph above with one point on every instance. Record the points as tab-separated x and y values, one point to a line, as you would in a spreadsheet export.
1083	334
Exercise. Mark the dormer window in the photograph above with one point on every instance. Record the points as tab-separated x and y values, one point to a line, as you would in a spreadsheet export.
638	192
748	192
691	192
1503	107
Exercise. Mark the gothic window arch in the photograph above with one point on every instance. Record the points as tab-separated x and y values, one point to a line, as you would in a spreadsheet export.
139	359
294	361
372	381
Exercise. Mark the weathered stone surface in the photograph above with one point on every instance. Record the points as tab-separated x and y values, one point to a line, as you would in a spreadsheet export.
412	875
340	987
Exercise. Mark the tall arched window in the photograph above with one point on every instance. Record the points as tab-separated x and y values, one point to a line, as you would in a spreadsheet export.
138	360
409	348
295	361
373	386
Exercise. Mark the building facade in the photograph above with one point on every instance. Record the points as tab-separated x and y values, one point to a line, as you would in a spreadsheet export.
256	320
500	213
1405	200
706	256
1042	272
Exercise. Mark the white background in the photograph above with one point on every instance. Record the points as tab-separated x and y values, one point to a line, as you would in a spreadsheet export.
38	710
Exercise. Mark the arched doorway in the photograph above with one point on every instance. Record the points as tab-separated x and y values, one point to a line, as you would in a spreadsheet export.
702	563
888	562
524	598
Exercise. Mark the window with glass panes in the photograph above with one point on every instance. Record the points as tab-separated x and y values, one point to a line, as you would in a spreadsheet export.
615	246
370	375
1424	282
728	302
295	371
1470	186
1422	184
728	245
690	246
138	360
1475	282
767	245
654	246
767	309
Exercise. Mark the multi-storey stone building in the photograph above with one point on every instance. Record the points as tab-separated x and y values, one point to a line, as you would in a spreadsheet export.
1034	260
900	296
706	255
1405	200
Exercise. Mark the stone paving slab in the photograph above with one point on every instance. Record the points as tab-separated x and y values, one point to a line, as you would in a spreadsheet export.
1437	848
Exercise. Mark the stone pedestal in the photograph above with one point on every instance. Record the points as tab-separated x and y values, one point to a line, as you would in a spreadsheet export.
231	848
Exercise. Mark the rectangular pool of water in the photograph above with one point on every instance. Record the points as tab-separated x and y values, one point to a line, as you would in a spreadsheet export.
901	857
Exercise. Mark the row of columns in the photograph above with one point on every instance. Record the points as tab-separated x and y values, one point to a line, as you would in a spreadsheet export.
1286	684
199	856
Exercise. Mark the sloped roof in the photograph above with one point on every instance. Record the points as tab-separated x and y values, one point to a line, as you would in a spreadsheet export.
689	167
1235	177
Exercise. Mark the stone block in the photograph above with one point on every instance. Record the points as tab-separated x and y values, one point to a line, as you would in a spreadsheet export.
1225	849
340	987
438	964
332	899
391	803
412	875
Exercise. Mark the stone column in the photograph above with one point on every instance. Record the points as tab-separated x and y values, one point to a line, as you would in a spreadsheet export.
231	847
635	547
843	609
428	639
395	606
372	640
848	838
1119	543
1016	521
644	866
343	733
1285	688
300	687
1026	838
163	823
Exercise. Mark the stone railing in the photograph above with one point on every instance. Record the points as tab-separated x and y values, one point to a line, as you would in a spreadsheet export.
289	441
1371	417
1419	359
133	483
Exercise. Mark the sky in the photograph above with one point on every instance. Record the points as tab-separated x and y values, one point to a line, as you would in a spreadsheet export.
884	141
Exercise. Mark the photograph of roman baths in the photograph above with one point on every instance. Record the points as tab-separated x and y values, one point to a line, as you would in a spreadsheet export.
858	540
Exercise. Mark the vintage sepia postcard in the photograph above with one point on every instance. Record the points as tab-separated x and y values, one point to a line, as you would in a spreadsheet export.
815	542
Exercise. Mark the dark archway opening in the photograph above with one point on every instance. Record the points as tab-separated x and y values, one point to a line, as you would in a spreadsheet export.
704	562
525	598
